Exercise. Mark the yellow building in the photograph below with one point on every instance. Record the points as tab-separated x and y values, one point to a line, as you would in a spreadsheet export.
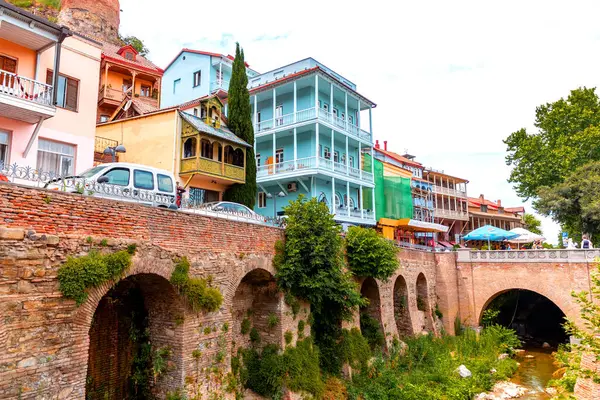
205	155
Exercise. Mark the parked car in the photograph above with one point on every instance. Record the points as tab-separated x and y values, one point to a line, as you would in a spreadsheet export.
228	210
122	181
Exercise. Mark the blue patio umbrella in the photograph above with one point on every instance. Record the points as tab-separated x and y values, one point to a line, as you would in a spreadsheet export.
491	234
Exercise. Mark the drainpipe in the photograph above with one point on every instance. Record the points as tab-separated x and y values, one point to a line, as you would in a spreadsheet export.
64	33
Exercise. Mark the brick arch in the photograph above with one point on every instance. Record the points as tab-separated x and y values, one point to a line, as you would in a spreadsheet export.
251	263
401	303
568	308
424	317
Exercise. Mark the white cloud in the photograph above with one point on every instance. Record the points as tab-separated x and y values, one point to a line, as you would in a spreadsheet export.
451	78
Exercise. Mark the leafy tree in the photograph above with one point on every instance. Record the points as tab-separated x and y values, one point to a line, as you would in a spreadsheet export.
370	254
568	137
136	43
239	121
532	223
310	265
574	202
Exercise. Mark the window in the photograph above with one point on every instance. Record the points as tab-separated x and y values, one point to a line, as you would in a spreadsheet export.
279	156
165	183
176	84
500	210
335	112
129	56
206	149
4	148
338	201
262	200
326	107
143	179
327	153
54	157
350	119
343	116
104	118
195	112
483	208
126	84
344	158
8	64
197	78
336	156
67	91
238	157
189	147
145	91
257	159
351	161
278	114
118	176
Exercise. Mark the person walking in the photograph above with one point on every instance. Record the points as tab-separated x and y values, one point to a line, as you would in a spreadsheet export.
570	244
586	243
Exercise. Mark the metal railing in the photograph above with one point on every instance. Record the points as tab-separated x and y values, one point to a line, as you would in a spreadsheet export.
25	88
308	114
308	163
33	177
412	246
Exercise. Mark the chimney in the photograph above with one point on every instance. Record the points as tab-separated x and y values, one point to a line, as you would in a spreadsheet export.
377	144
481	198
499	203
385	145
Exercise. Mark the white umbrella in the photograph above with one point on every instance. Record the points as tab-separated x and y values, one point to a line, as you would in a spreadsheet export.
525	236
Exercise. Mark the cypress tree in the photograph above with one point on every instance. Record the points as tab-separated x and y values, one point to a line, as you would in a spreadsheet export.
240	123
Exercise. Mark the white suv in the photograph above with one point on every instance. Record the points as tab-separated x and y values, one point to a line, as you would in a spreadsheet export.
123	181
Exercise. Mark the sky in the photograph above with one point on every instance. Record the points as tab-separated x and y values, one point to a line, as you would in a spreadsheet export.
451	79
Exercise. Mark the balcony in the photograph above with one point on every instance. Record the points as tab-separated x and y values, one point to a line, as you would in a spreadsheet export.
309	114
448	191
25	99
219	84
356	216
220	169
451	214
114	96
309	164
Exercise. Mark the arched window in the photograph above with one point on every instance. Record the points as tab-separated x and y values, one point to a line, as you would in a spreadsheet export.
189	147
350	202
238	157
229	154
217	151
206	149
338	201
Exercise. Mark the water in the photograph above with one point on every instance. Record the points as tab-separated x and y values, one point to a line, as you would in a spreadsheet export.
535	372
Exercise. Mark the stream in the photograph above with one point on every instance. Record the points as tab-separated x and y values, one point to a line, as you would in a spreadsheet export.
534	372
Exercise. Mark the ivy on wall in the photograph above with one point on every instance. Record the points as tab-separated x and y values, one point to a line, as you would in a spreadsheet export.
197	291
370	254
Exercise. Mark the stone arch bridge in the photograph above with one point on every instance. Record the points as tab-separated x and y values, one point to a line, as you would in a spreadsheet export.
52	349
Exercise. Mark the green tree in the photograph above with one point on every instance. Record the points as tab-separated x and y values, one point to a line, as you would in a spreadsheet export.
568	137
310	265
532	223
574	202
370	254
239	121
136	43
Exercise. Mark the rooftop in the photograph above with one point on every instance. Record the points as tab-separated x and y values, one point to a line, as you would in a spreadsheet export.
228	57
116	53
479	201
221	133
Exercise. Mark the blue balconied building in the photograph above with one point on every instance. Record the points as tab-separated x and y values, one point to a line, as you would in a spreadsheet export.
194	74
309	140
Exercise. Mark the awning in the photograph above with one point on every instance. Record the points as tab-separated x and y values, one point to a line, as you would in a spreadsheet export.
408	224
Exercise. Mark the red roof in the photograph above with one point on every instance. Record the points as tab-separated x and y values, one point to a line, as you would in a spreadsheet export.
205	53
305	72
476	202
115	53
399	158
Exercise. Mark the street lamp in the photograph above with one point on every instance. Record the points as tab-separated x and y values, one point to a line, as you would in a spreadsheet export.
270	196
113	150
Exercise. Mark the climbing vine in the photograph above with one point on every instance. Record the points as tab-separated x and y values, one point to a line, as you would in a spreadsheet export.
78	274
197	291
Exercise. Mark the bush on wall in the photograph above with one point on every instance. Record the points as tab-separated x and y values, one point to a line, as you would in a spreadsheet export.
370	254
197	292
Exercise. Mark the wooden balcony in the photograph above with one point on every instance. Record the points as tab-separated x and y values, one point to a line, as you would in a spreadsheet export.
218	169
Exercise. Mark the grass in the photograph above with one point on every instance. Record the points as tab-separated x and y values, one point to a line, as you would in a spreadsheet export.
427	368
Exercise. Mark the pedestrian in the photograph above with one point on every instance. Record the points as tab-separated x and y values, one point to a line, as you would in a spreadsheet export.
180	192
571	244
508	246
586	243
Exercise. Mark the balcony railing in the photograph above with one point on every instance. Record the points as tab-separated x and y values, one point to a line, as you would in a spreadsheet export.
25	88
217	168
219	84
453	214
111	94
100	144
308	114
448	191
311	163
341	213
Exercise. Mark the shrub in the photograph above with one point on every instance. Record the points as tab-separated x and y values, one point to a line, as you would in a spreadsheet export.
246	325
370	254
301	326
371	330
132	248
254	336
288	336
293	302
438	312
355	349
272	320
78	274
197	292
225	327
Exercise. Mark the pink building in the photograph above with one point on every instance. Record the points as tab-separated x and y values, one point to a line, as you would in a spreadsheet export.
47	122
